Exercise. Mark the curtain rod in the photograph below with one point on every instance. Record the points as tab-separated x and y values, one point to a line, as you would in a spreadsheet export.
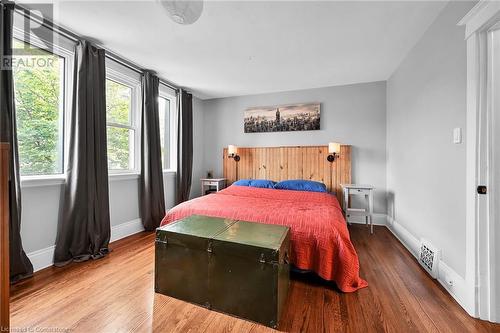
76	38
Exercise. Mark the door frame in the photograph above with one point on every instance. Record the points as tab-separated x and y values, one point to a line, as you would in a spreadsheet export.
480	215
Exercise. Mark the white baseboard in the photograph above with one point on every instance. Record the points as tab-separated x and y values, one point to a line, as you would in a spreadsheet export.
126	229
45	257
409	241
42	258
447	277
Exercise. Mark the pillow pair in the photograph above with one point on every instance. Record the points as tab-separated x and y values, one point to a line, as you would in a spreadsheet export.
294	185
301	185
262	183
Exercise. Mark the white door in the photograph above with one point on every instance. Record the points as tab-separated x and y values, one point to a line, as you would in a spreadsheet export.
488	176
482	32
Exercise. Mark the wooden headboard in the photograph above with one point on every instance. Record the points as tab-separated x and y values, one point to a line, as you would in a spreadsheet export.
282	163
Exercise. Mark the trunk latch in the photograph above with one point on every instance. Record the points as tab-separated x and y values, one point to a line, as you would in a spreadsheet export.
262	258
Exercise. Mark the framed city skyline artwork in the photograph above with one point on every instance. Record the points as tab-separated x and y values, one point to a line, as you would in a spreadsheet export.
283	118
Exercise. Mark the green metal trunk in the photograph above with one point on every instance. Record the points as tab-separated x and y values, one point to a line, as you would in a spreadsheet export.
236	267
181	257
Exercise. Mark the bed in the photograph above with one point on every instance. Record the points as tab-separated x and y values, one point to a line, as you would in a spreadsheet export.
320	240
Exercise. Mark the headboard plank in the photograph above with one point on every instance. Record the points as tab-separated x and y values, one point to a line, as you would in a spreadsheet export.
282	163
261	158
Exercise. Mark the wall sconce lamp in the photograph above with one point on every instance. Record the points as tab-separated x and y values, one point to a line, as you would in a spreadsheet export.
232	152
333	151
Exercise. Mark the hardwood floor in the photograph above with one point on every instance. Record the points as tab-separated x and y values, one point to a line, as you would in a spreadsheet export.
115	294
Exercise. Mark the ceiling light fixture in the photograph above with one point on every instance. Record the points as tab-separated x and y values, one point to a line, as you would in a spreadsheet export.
183	11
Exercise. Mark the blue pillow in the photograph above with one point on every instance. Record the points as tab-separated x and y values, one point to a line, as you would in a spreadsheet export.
262	183
301	185
242	182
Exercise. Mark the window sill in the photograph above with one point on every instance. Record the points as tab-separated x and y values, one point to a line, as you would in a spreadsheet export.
123	176
37	181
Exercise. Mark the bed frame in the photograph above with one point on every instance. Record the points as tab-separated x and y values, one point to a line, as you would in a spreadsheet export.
282	163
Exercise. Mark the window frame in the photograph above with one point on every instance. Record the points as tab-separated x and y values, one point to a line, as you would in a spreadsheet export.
63	48
114	73
170	140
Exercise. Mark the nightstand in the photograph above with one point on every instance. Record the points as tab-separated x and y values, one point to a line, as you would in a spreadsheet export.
209	185
367	212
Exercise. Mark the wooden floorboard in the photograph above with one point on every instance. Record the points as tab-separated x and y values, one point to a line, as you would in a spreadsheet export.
115	294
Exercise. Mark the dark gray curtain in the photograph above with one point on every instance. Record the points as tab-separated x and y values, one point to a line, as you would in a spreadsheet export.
152	200
20	265
84	229
184	146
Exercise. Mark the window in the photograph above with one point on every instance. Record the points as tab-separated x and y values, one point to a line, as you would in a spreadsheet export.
166	105
122	94
164	115
39	80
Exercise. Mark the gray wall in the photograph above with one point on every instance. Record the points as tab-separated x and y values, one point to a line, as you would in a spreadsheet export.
426	99
353	114
40	213
42	204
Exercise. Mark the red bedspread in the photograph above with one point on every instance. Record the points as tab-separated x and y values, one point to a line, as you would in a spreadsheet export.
319	237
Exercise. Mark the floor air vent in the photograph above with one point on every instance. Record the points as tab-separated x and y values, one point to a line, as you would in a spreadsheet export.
429	258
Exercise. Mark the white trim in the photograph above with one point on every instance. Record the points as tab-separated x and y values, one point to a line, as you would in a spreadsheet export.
120	74
123	176
480	16
458	287
126	229
166	124
60	47
40	181
166	91
479	251
172	96
45	39
404	236
471	180
55	180
44	258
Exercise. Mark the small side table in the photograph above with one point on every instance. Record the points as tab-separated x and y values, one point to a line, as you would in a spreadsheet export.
367	192
209	183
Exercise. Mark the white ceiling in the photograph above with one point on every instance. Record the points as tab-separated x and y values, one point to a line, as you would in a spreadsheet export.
241	48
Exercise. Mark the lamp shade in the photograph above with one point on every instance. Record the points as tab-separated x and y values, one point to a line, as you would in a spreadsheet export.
231	150
183	11
333	147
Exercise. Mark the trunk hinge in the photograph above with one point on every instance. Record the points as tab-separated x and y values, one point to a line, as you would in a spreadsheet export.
158	240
